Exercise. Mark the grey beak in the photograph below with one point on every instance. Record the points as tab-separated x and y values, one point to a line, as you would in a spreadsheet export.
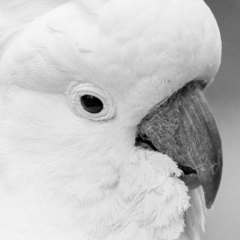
184	128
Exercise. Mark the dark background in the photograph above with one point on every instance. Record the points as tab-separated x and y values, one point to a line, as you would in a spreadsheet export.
223	221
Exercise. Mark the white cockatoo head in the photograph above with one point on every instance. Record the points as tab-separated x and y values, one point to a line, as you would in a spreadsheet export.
104	130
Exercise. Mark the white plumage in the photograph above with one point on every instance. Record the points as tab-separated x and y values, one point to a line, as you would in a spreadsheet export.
68	174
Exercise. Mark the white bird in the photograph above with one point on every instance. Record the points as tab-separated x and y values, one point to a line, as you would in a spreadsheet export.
104	131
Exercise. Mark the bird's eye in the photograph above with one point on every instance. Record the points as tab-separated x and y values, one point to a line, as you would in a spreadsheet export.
91	104
89	101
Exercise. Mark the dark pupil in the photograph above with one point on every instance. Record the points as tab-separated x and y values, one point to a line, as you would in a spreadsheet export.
91	104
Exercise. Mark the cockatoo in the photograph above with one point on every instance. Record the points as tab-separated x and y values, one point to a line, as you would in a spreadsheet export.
105	133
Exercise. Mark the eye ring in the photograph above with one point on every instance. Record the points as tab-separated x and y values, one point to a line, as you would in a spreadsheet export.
91	102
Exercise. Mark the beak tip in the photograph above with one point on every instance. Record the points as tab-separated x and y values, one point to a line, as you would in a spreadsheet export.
209	199
210	193
211	183
209	205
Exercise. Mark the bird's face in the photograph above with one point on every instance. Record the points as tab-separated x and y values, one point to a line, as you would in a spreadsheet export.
102	116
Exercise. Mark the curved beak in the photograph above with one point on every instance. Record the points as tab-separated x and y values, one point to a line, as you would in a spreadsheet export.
184	128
